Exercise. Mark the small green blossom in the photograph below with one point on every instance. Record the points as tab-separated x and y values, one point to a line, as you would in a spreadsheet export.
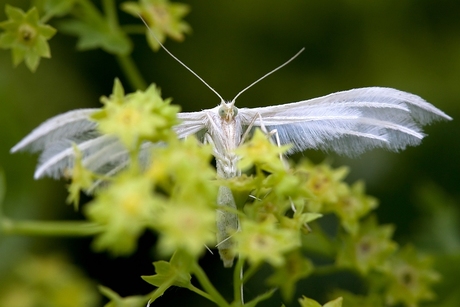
136	117
82	179
125	208
285	277
299	221
323	182
244	183
264	241
369	249
351	206
285	185
308	302
411	278
163	17
26	36
182	169
261	152
187	227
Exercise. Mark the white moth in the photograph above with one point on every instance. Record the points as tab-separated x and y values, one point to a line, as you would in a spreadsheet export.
348	122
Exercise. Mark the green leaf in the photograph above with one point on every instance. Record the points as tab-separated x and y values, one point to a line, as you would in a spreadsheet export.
176	272
97	34
57	8
94	31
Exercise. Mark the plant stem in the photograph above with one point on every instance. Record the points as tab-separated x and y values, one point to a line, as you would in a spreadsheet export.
134	29
208	286
46	17
66	229
327	270
132	72
250	272
161	289
2	192
111	13
202	293
238	281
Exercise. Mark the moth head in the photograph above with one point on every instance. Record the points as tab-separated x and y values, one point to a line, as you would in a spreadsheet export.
227	111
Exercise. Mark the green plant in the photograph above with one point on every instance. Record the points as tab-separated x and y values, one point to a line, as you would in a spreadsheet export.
175	195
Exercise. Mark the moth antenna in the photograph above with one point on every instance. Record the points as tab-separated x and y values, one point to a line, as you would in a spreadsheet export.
269	73
180	62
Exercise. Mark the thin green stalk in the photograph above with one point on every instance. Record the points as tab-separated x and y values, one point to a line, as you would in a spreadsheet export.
134	29
59	229
160	290
46	17
208	286
250	272
327	270
2	192
110	11
202	293
131	71
238	280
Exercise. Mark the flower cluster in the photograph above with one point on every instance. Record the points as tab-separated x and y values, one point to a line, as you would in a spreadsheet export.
164	19
26	36
174	195
136	117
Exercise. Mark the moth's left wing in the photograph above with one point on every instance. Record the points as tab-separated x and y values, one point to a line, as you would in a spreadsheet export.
349	122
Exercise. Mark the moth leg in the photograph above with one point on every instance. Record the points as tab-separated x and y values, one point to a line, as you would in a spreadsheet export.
208	140
248	129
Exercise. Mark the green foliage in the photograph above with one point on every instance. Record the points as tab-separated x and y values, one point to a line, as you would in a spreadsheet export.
174	196
47	281
94	30
307	302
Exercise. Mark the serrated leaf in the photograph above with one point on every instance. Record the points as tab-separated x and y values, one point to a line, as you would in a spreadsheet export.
175	272
93	35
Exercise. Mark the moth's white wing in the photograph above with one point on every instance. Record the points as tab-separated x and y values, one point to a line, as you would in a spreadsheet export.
118	162
59	156
101	154
60	127
191	123
349	122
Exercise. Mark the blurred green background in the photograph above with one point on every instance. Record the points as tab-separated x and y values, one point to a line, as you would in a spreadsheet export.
411	45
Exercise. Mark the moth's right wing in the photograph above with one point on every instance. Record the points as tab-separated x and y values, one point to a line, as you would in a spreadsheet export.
191	123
